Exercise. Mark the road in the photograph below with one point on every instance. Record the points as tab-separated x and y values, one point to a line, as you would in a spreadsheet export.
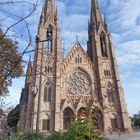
133	136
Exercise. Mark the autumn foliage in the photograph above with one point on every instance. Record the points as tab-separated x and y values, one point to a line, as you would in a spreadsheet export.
10	64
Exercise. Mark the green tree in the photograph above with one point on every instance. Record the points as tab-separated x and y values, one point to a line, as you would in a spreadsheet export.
33	136
30	135
84	128
56	136
10	64
137	123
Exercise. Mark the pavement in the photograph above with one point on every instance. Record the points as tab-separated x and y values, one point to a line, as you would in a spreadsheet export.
134	136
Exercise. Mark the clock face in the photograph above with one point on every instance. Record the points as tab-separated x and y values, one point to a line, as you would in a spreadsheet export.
109	85
106	66
79	83
48	60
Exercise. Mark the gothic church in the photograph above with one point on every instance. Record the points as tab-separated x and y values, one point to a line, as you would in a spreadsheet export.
56	88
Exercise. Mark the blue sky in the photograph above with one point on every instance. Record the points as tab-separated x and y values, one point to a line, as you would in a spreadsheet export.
123	17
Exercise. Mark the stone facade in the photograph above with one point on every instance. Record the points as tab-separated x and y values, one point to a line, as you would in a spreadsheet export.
64	87
3	124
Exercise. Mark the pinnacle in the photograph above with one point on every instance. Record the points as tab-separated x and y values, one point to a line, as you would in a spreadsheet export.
95	11
49	9
29	67
49	1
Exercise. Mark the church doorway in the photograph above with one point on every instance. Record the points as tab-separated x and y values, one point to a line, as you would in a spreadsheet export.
97	117
68	116
100	122
82	113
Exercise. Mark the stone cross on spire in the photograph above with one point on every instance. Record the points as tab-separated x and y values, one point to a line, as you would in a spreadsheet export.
77	38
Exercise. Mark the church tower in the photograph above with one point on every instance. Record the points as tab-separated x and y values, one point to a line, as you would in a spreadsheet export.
108	86
57	89
26	101
46	69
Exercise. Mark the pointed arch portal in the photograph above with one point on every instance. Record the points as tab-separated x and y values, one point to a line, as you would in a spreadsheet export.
68	116
100	122
98	117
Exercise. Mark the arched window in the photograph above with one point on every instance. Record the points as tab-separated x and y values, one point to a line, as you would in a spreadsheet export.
97	118
68	117
107	73
49	38
82	113
110	96
47	93
48	69
103	45
76	61
80	60
46	125
114	123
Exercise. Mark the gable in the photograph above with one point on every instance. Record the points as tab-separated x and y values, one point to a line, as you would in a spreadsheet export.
77	57
76	63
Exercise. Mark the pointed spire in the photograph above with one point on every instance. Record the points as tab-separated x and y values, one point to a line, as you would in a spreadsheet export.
29	67
105	23
48	11
29	71
95	12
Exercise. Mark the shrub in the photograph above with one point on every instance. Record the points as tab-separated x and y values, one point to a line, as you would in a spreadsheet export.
30	135
33	136
56	136
82	128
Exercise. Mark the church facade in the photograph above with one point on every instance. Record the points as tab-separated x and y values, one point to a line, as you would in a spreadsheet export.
56	88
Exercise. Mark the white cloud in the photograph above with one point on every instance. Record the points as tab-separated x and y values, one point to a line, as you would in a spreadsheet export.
128	54
122	14
132	95
75	22
124	23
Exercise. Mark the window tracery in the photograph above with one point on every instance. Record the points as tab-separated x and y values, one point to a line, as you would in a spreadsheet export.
78	59
110	96
47	93
107	73
79	83
103	45
49	38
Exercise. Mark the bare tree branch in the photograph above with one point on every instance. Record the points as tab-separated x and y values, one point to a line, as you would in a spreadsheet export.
21	19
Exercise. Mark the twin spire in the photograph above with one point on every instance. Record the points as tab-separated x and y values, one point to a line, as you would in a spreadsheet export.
96	16
49	12
95	12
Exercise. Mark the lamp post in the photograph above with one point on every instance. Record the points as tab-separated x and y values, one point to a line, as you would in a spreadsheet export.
40	85
49	38
40	89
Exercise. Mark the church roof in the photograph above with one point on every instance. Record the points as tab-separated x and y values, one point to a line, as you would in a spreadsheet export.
2	113
79	46
24	96
95	12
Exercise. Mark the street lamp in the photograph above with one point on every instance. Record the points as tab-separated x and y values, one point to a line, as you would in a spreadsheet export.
40	84
49	39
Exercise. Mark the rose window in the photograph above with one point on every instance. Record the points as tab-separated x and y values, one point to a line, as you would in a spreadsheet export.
79	83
